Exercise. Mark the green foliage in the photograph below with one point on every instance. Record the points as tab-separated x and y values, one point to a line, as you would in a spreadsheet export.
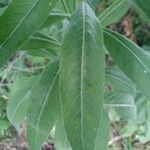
56	79
114	12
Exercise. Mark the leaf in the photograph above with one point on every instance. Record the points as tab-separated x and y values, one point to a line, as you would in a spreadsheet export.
20	21
82	78
142	7
69	5
19	98
55	17
4	124
143	111
93	3
43	108
122	103
40	40
118	81
61	140
103	132
131	59
114	12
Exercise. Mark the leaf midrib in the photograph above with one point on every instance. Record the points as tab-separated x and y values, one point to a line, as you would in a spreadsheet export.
82	73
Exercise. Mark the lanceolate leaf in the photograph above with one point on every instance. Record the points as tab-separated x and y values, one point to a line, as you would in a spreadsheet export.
82	78
142	7
43	109
21	20
19	97
114	12
133	60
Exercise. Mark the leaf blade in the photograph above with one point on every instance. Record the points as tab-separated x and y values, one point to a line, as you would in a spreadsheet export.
44	96
77	87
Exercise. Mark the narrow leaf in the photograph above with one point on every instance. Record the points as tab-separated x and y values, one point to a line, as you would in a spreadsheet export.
43	111
82	78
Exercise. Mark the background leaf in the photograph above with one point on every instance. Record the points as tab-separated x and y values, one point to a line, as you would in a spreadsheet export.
43	108
131	59
19	98
122	103
142	7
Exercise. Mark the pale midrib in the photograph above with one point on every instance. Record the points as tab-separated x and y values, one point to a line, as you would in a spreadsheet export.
43	106
119	41
19	23
118	105
105	17
82	74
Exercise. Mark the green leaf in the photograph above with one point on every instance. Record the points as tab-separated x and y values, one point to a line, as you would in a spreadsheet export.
55	17
142	7
61	140
19	98
4	124
131	59
93	3
20	21
69	5
143	111
118	81
43	108
122	103
40	40
114	12
102	138
82	78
